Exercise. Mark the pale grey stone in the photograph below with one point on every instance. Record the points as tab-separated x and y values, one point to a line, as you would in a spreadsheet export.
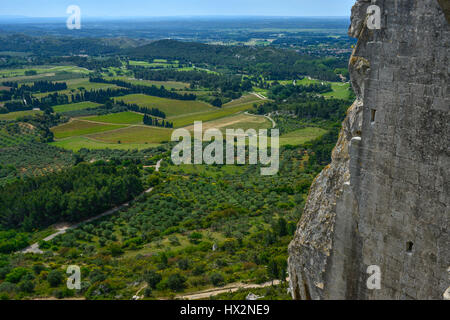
384	200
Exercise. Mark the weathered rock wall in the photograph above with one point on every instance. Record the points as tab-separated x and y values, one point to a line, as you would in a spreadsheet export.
384	200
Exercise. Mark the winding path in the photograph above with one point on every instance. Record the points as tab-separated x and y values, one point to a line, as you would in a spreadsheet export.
274	124
259	95
62	228
204	294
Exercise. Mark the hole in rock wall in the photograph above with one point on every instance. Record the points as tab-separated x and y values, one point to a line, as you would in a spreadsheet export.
409	247
372	115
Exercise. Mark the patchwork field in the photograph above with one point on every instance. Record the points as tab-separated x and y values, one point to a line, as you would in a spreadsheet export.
341	90
18	114
84	83
127	117
75	106
240	121
124	130
169	106
75	85
242	100
189	119
157	63
135	134
167	84
77	143
79	128
10	73
301	136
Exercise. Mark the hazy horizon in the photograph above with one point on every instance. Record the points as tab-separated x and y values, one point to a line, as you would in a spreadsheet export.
177	8
161	17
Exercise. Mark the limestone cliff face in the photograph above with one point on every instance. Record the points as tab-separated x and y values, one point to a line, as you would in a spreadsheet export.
384	200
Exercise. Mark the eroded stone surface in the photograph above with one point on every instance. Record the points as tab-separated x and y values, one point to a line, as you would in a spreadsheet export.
384	200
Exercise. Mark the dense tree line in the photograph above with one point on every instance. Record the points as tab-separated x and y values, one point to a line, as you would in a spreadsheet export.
5	95
149	90
321	149
45	103
100	96
72	195
150	121
44	47
38	86
309	107
272	63
281	92
11	241
226	84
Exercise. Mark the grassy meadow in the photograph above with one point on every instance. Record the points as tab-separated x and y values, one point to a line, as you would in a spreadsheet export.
18	114
167	84
127	117
301	136
75	106
79	128
135	134
77	143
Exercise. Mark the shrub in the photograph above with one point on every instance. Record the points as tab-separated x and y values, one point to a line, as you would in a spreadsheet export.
183	264
195	237
152	278
148	292
133	243
217	279
198	270
26	286
16	275
54	278
115	250
4	271
7	287
176	282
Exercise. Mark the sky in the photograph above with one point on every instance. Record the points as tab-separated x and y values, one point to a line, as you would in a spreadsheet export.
156	8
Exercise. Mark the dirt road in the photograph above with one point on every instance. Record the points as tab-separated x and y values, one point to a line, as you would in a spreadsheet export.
233	287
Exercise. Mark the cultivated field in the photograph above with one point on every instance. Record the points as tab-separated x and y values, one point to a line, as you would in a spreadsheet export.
250	98
77	143
106	131
84	83
135	134
18	114
240	121
75	106
40	70
127	117
169	106
217	113
157	63
341	90
301	136
79	128
167	84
